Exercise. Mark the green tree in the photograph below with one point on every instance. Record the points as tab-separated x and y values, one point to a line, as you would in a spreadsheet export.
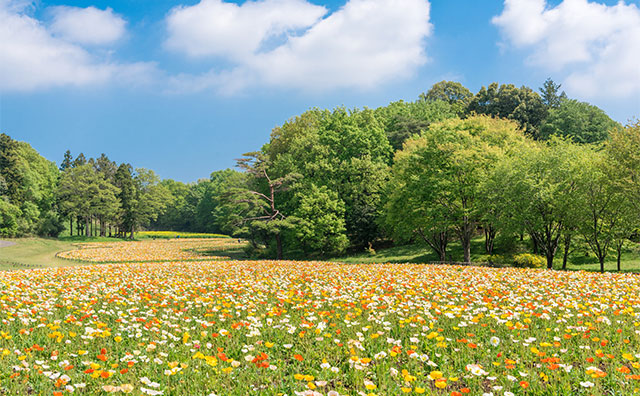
263	214
522	105
401	120
320	223
602	205
539	192
454	93
67	161
437	178
551	95
150	199
80	160
127	198
345	151
580	121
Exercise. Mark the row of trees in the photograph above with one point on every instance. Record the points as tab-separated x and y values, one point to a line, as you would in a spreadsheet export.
505	161
483	173
106	199
452	164
99	196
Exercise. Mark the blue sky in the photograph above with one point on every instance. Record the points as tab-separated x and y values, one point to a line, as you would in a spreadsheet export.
184	88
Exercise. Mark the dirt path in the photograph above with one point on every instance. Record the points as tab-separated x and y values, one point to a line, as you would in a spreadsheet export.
6	243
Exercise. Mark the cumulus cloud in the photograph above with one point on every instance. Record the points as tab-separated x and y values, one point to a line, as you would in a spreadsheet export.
213	27
361	45
596	47
87	25
32	57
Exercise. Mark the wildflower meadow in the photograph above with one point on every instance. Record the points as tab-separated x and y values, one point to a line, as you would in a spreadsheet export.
316	328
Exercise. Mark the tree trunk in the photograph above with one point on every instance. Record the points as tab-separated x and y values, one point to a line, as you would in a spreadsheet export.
567	248
549	261
279	246
619	253
466	246
601	260
489	238
536	250
87	231
71	226
132	228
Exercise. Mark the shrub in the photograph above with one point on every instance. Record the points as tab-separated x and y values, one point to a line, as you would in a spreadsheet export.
528	260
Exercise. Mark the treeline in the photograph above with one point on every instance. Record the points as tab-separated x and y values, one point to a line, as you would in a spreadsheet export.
504	162
452	165
95	196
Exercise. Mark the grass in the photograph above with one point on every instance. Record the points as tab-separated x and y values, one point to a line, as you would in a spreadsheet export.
34	253
580	259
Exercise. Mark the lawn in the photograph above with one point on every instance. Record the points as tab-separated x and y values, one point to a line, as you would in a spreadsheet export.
579	259
34	253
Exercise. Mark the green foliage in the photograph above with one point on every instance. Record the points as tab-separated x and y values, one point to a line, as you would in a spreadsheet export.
580	121
27	183
320	221
527	260
344	151
522	105
50	225
534	191
9	219
551	95
401	120
453	93
437	177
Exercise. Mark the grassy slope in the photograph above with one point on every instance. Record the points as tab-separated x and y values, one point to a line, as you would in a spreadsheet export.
34	253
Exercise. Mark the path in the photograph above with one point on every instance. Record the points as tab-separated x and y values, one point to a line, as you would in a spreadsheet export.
6	243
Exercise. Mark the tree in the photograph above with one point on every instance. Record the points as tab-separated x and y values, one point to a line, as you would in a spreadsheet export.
623	154
602	206
401	120
28	184
320	223
539	192
262	211
67	161
522	105
437	178
86	193
80	160
451	92
580	121
550	94
127	198
149	201
345	151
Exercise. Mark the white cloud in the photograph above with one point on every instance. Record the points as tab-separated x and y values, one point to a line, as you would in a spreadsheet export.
361	45
213	27
31	57
87	25
596	47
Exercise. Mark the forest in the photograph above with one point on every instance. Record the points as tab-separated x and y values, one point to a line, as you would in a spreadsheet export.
506	163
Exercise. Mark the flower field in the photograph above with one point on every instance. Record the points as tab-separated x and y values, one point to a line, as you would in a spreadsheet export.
314	328
150	250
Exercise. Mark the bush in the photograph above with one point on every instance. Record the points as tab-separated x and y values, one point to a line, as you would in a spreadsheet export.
528	260
50	225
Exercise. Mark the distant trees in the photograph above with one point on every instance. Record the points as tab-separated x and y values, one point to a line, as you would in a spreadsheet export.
503	162
522	105
580	121
27	184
